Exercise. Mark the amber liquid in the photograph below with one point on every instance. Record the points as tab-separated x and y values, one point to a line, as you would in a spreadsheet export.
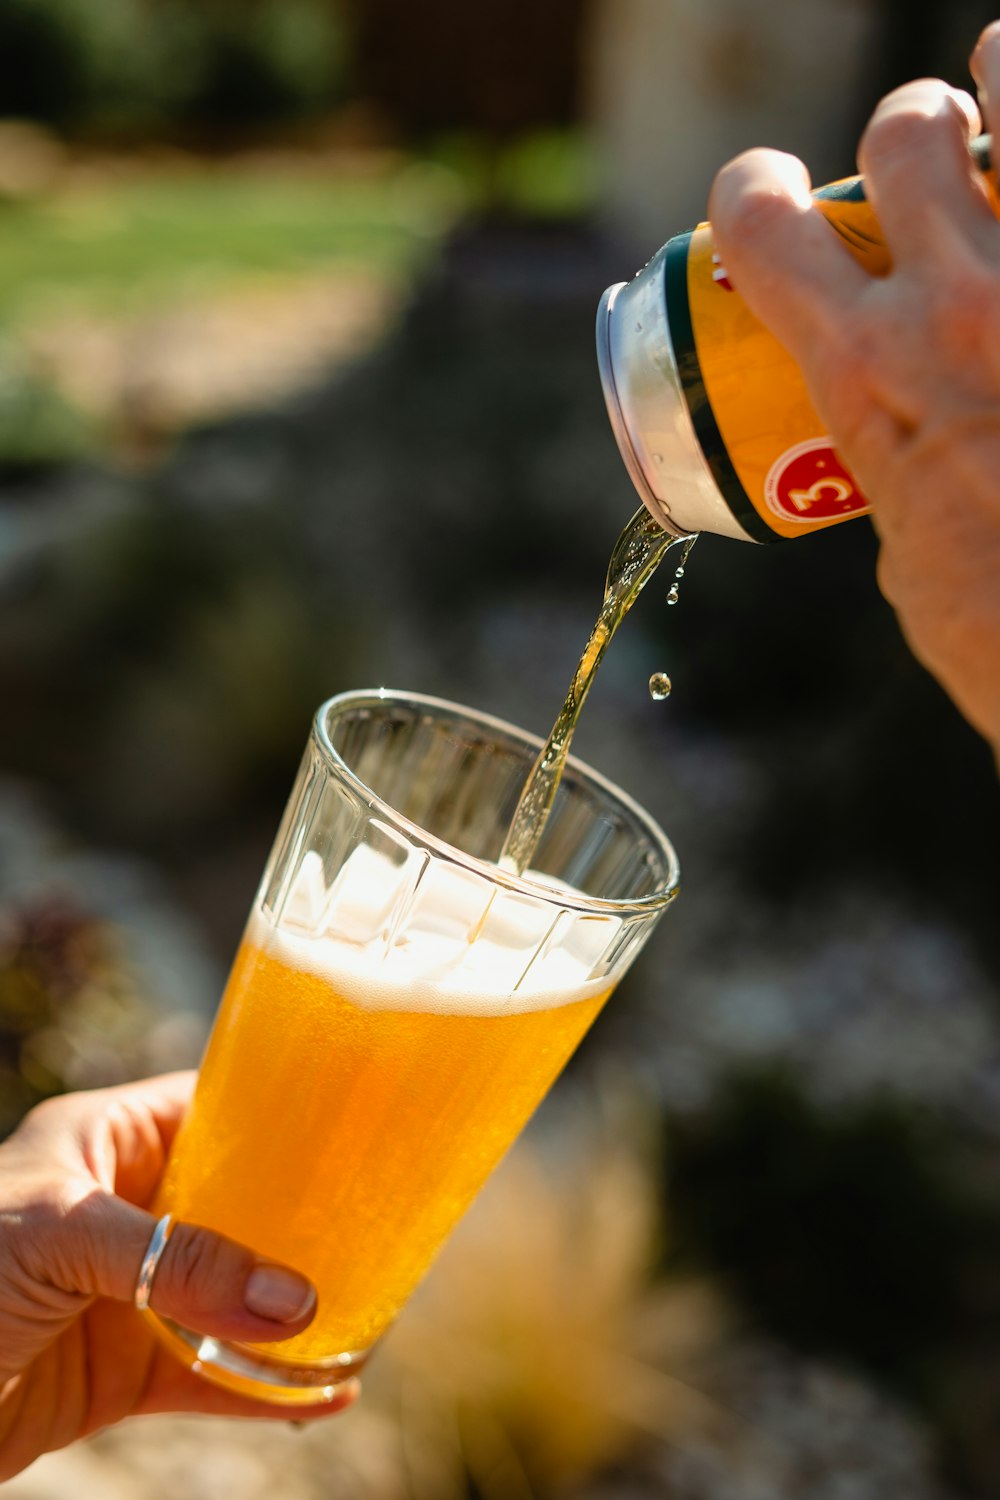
636	556
346	1140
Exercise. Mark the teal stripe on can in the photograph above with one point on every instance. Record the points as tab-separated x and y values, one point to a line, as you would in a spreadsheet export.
693	385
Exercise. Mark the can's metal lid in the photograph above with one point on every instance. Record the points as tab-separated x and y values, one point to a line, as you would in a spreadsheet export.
616	416
648	411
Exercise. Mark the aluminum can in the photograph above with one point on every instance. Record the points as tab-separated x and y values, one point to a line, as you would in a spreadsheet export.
711	414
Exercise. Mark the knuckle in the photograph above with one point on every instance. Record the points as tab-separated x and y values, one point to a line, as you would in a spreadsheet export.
59	1119
754	191
756	213
48	1112
191	1266
906	120
891	132
986	52
45	1243
755	160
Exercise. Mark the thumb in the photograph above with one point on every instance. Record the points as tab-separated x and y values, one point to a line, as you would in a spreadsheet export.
204	1281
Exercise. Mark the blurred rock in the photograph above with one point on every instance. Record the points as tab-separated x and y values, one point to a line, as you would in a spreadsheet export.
803	1431
38	860
51	517
858	1000
102	979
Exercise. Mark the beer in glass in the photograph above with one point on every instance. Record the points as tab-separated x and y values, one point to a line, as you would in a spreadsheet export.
398	1007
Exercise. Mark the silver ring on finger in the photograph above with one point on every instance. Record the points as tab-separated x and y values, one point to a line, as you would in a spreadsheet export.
150	1262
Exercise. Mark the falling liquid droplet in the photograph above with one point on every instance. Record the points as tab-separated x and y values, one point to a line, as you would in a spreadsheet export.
679	573
659	686
674	594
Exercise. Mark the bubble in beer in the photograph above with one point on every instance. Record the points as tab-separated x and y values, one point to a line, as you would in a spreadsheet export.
659	686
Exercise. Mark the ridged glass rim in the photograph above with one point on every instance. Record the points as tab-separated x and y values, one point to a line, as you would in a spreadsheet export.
554	896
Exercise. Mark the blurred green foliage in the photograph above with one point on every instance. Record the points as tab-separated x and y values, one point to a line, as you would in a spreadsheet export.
136	242
100	246
549	174
38	427
125	65
115	249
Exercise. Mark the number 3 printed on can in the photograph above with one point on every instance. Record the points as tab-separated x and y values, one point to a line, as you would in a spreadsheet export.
809	484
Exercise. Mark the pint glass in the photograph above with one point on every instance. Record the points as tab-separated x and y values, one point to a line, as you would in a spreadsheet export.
398	1007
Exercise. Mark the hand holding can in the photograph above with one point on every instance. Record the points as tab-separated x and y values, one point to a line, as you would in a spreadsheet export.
904	369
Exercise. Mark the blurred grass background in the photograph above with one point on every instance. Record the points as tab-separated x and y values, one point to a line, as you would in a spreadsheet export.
298	393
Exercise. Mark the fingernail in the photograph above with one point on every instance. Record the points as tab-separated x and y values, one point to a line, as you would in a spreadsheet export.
278	1293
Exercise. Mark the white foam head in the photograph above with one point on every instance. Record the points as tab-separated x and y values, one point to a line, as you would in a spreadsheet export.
433	936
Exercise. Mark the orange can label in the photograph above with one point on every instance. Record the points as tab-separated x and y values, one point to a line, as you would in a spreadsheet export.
769	453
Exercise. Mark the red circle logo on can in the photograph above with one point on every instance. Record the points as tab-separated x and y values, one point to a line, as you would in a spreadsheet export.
809	484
